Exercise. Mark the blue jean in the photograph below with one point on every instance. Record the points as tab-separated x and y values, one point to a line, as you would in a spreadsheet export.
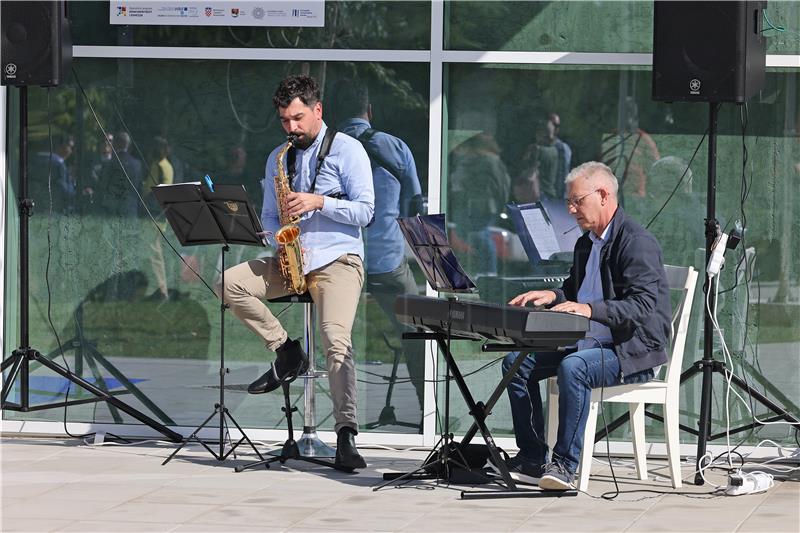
577	373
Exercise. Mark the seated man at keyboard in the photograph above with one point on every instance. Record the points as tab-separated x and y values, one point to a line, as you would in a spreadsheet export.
617	280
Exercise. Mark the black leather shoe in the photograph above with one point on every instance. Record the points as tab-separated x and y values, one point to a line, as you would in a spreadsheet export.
347	456
291	362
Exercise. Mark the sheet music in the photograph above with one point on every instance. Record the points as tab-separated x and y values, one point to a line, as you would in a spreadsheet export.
541	231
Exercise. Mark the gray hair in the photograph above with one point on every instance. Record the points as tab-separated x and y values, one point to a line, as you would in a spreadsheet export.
589	169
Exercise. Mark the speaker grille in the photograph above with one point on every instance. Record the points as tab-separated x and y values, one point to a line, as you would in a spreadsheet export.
708	51
32	51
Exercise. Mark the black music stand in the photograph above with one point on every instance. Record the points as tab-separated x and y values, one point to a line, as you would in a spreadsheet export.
427	237
202	215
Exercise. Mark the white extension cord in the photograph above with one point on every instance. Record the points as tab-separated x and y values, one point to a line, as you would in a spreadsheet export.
740	483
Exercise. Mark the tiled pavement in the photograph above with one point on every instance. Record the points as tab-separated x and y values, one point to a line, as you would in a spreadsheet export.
64	485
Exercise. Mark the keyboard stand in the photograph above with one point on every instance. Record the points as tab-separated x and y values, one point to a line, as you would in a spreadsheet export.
479	412
512	491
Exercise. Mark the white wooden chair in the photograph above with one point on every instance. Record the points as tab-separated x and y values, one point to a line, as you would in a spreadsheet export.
660	391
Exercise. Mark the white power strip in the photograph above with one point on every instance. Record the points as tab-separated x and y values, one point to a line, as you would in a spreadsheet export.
717	258
748	483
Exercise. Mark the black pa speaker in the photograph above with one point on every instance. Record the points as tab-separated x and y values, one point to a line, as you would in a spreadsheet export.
708	51
36	43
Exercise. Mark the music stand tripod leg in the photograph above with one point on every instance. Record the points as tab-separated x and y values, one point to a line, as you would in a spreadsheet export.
219	408
193	437
244	438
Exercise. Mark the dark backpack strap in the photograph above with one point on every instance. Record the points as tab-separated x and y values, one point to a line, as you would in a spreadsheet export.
324	149
375	156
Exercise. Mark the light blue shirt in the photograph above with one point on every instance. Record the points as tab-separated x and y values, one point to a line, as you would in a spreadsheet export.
591	290
334	230
393	194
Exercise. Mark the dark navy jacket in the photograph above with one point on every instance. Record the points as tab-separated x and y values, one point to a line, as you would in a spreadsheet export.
636	304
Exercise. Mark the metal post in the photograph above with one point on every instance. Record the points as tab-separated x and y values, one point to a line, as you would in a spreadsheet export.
310	444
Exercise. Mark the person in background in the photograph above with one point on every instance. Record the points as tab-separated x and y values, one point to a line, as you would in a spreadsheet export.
480	186
50	176
398	193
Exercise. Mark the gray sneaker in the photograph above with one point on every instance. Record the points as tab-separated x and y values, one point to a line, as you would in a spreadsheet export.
521	469
556	477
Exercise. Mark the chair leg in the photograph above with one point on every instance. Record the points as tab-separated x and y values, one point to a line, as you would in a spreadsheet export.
588	448
673	445
639	444
552	412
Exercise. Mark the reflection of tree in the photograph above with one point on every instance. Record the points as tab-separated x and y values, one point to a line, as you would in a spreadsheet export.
788	215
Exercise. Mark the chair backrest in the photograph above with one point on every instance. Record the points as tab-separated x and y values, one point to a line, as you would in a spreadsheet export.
683	279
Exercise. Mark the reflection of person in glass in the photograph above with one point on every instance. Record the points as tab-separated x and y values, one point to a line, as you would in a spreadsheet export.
53	166
397	193
333	205
630	151
114	195
161	172
550	157
618	281
479	188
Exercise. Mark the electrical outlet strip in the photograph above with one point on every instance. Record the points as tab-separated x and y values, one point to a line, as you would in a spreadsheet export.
741	483
99	437
717	255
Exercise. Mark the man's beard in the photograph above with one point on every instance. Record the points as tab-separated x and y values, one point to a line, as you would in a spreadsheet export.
303	141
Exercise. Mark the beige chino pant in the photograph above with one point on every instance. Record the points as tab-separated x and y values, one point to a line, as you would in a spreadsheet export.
336	291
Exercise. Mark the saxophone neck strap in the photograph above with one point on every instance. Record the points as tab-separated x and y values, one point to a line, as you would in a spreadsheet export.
324	149
291	158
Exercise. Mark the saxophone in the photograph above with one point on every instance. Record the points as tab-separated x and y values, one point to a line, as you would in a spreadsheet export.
288	236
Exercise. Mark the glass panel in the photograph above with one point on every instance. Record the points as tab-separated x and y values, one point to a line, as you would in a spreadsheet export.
358	25
117	292
503	148
562	26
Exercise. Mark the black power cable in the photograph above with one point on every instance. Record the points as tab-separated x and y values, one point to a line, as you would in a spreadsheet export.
680	181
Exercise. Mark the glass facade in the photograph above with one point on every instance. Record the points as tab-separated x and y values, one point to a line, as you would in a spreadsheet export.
499	152
117	290
541	26
114	293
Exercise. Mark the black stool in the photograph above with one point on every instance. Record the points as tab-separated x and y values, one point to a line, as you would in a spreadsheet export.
309	448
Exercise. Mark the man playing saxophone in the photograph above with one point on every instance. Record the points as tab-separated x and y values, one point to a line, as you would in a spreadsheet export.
329	200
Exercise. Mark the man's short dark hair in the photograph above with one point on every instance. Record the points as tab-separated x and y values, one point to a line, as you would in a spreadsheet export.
63	138
350	98
296	86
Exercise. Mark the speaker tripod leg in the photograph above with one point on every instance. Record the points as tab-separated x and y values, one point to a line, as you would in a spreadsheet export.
133	389
15	361
101	383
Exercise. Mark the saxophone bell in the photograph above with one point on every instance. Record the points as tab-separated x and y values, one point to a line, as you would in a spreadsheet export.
287	234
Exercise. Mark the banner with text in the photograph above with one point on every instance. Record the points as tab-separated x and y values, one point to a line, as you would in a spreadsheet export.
231	13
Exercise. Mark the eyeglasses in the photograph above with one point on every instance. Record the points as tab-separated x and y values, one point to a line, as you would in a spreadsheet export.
576	202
